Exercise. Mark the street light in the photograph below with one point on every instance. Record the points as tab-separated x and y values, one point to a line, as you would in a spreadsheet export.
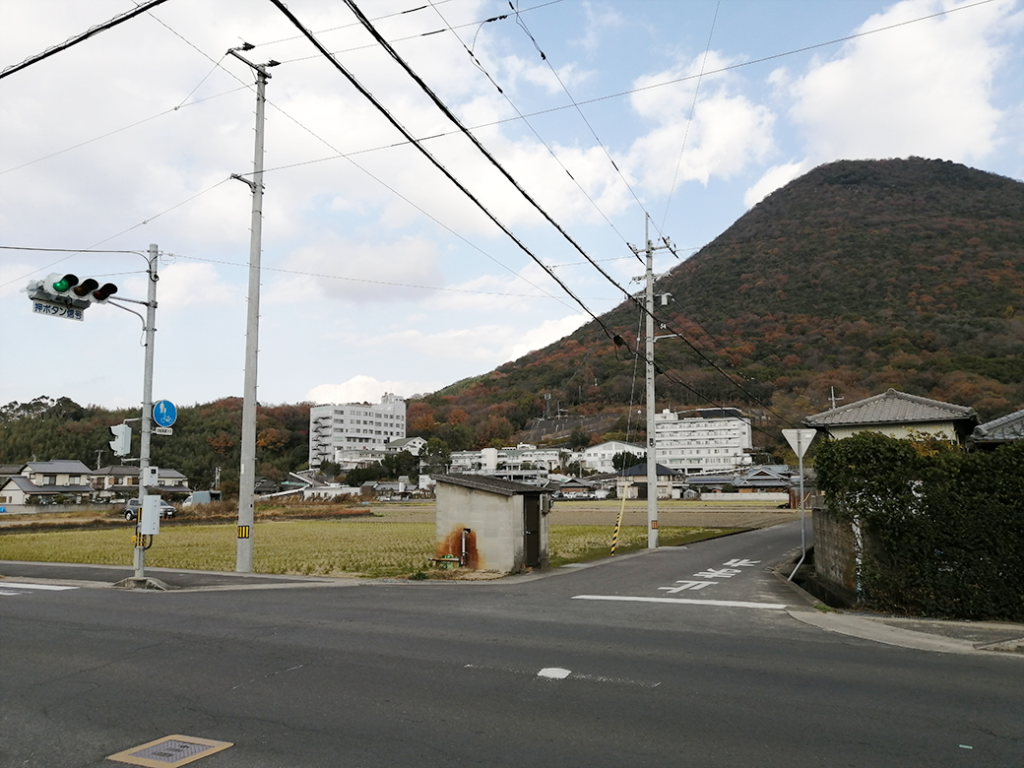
247	470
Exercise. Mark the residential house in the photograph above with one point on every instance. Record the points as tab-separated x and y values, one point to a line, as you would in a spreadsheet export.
47	482
121	481
1001	431
413	445
771	482
632	482
898	415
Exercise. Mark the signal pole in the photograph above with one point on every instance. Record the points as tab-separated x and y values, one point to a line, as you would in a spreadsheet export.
247	470
145	431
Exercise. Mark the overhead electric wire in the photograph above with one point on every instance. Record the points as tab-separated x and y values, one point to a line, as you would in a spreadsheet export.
480	66
303	273
455	120
434	161
689	120
121	129
75	40
415	36
522	25
390	50
154	3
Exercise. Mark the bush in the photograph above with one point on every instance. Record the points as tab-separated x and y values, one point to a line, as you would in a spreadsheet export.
943	529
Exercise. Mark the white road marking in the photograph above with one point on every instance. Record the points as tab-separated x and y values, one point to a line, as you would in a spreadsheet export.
46	587
554	673
683	601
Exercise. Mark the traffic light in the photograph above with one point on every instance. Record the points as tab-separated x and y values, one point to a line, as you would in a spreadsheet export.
70	291
122	442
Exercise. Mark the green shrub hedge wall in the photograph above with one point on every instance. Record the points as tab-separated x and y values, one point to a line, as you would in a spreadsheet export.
943	528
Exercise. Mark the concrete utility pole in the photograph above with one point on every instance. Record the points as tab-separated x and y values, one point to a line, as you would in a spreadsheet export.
247	471
145	427
652	458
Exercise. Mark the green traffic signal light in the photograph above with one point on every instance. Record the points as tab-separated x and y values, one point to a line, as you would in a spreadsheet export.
65	283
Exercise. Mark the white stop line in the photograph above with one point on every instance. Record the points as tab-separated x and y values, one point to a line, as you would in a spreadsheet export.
684	601
10	588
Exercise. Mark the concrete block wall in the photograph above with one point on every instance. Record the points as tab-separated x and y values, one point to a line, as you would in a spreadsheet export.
496	524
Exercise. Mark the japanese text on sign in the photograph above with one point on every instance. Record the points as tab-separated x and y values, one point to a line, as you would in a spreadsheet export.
57	310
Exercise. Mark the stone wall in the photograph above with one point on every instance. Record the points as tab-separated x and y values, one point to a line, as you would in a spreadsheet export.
835	553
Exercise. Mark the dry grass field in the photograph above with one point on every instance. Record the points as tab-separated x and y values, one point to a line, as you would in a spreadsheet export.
396	541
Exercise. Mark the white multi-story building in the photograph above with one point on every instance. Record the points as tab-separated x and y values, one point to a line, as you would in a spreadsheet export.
335	429
703	440
599	457
523	464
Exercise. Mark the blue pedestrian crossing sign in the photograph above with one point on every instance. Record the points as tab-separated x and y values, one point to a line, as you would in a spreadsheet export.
164	413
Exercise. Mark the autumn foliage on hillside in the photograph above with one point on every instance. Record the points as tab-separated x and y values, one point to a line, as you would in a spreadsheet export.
858	276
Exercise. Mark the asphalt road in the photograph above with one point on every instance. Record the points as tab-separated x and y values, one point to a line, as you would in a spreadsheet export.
630	662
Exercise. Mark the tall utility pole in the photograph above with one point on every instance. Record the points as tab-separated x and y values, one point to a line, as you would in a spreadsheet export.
652	458
247	471
145	430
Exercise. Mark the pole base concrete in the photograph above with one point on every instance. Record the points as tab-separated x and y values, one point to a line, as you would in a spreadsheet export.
134	582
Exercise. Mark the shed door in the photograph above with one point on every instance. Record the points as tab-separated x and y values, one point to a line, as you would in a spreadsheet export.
531	531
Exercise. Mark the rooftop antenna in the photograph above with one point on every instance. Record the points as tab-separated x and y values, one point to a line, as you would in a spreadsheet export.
833	397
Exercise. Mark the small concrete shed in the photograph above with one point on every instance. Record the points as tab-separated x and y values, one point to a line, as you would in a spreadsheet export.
491	524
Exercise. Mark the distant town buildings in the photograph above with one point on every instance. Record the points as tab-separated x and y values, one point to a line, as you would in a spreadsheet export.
336	432
72	482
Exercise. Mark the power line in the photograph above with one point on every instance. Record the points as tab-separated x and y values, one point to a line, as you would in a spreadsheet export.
122	129
486	153
693	109
447	112
75	40
437	164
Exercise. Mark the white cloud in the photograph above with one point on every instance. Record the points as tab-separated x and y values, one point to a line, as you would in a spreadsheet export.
727	131
187	284
341	269
600	18
547	333
775	177
923	89
366	389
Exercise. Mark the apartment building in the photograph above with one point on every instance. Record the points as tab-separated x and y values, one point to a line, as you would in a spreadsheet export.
353	426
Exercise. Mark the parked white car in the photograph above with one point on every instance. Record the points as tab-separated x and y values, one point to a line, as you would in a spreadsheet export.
131	510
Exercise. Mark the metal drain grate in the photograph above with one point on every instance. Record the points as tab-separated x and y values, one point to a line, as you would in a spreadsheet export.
170	751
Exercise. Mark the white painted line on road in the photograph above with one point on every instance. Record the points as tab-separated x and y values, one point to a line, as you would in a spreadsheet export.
554	673
683	601
48	587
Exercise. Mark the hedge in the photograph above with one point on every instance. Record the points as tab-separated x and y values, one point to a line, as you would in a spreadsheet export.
943	528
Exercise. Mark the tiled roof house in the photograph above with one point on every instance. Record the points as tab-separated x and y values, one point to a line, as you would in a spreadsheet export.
898	415
999	431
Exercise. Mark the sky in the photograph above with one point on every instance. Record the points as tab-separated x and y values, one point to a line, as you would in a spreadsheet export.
379	274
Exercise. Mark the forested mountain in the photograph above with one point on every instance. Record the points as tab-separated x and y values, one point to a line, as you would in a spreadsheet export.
860	275
205	439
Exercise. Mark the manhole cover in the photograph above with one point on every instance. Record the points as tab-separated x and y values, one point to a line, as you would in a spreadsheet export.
170	751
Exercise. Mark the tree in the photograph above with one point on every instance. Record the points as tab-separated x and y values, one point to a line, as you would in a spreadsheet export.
626	459
401	463
579	439
437	457
360	475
